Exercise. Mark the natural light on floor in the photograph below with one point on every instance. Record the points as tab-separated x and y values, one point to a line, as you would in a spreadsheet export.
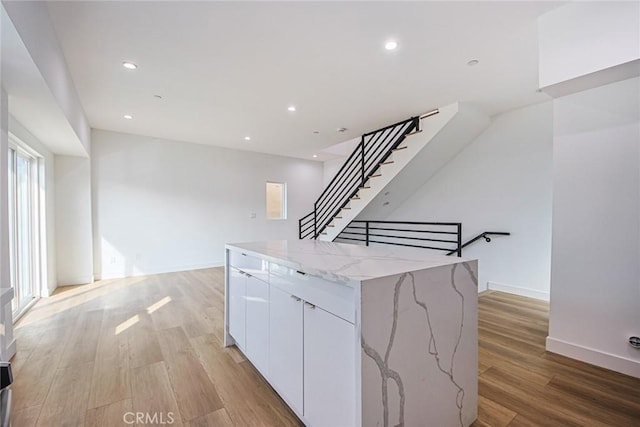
153	307
127	324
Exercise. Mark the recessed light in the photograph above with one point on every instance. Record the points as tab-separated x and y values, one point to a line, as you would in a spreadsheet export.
128	116
247	138
316	132
291	108
473	62
129	65
157	96
391	45
315	156
341	130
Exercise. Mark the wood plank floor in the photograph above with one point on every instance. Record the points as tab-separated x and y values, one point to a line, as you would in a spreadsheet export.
90	355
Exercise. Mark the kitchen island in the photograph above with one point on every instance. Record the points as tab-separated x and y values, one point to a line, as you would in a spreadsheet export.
351	335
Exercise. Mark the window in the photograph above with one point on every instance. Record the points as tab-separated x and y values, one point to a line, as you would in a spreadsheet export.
24	230
276	200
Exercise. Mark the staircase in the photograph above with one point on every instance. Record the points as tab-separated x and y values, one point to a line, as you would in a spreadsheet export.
380	157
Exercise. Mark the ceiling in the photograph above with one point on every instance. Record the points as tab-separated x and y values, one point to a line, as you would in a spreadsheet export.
226	70
30	100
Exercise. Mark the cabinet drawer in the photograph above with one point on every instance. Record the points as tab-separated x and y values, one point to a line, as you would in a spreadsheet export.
333	297
252	265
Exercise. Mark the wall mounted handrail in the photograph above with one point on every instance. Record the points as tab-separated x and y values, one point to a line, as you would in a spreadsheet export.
373	150
485	235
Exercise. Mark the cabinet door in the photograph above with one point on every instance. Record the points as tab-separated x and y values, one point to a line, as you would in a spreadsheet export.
237	306
285	346
258	323
329	369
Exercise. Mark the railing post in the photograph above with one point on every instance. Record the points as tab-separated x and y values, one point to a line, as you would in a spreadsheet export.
366	232
300	229
459	240
363	163
315	221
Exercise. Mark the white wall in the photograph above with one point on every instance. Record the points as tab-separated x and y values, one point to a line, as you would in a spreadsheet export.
330	169
585	37
73	219
500	182
48	239
167	206
595	287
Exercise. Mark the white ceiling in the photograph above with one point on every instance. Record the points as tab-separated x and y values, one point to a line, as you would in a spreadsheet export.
226	70
30	100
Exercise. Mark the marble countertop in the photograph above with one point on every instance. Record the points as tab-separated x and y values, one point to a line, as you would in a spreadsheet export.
344	263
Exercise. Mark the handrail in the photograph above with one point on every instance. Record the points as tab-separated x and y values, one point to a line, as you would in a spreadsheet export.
405	233
374	148
407	236
485	235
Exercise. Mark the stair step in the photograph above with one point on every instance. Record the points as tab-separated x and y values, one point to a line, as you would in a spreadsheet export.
330	225
324	234
355	198
376	175
337	217
362	188
345	209
400	148
388	162
414	132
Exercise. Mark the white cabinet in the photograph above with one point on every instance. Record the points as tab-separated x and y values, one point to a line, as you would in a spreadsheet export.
237	306
292	328
285	347
329	369
257	323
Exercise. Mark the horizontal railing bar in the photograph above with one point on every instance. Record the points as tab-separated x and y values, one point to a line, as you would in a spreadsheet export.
390	126
406	222
412	246
414	238
399	229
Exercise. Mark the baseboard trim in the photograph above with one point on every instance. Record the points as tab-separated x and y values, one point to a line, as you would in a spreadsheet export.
594	357
160	270
525	292
74	281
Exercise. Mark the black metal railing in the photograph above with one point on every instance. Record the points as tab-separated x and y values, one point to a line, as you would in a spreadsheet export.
373	150
485	235
440	236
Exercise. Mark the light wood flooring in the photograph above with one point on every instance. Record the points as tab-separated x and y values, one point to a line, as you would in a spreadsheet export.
91	354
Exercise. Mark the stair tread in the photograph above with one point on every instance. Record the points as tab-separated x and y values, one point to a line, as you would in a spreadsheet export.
400	148
414	132
362	188
345	208
375	176
387	162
